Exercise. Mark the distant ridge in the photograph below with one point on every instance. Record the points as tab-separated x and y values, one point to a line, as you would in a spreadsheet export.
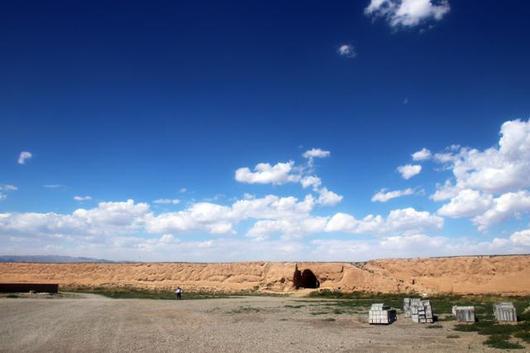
48	259
499	275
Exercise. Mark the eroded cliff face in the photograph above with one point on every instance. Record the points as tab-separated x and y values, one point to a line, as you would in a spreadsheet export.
459	275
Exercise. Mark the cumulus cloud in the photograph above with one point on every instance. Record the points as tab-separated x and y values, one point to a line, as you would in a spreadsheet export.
108	218
467	203
167	201
445	191
265	173
129	230
421	155
23	157
288	228
409	170
328	198
82	198
496	169
400	221
347	50
220	219
521	238
407	13
489	185
384	195
310	181
281	173
506	206
316	153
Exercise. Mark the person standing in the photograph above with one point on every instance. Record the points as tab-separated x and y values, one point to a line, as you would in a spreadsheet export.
178	292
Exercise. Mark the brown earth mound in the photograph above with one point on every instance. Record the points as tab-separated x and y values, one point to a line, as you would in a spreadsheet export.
459	275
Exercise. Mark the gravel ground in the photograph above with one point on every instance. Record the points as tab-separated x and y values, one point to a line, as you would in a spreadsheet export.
91	323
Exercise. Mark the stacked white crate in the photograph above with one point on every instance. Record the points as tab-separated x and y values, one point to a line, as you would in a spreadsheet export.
381	314
419	310
505	312
464	313
406	306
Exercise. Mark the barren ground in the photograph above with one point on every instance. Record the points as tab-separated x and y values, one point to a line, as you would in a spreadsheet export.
455	275
90	323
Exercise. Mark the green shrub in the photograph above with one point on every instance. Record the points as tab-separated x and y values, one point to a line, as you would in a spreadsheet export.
524	335
502	342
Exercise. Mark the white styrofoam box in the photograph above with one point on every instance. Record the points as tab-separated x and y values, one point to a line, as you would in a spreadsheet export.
381	314
464	313
505	312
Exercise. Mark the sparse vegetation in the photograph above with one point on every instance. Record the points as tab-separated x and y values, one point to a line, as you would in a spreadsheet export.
294	306
133	293
524	335
502	342
499	335
245	310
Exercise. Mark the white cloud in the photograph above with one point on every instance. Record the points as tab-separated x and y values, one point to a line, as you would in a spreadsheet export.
82	198
400	221
401	242
409	170
167	201
108	218
183	190
421	155
521	238
288	228
23	157
489	185
53	186
467	203
316	153
219	219
310	181
509	205
407	13
328	198
496	169
281	173
6	188
383	195
445	191
264	173
121	230
347	50
343	222
409	246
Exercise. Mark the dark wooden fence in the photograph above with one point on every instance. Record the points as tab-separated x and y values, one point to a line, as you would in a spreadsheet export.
26	287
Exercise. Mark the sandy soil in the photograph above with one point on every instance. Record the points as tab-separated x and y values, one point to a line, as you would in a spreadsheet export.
460	275
250	324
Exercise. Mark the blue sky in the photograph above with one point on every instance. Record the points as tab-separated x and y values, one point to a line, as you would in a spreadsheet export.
162	103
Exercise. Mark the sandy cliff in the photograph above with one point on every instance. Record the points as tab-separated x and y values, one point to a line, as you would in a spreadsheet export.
461	275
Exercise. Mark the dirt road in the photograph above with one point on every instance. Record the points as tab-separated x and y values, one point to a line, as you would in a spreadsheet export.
249	324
